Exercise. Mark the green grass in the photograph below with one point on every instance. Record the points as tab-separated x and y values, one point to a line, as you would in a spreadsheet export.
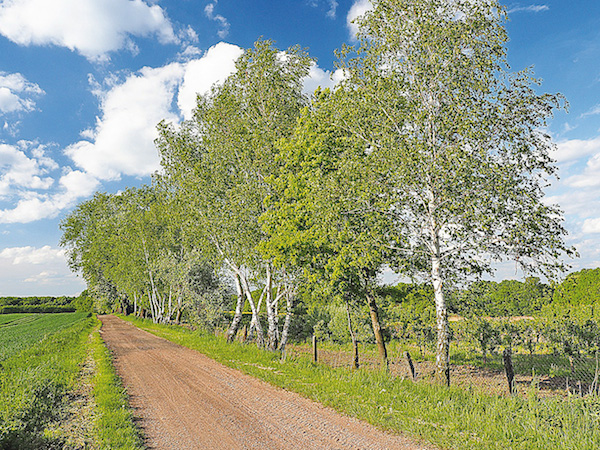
114	424
34	381
20	331
452	418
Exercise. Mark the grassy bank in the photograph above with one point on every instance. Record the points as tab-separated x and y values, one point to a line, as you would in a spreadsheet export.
34	382
449	417
114	425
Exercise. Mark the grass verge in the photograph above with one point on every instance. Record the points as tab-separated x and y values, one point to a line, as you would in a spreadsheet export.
114	425
452	418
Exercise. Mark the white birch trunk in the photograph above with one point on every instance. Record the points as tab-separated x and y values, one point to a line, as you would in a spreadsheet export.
237	317
260	335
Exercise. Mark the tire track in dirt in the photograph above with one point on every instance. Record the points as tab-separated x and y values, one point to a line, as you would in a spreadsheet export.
185	400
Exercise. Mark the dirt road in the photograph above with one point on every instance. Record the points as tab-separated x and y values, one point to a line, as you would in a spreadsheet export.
186	400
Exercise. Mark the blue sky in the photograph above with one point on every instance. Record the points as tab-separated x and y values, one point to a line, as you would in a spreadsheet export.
83	84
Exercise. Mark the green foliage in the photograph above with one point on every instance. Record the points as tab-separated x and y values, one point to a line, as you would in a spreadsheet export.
505	299
578	289
12	305
34	381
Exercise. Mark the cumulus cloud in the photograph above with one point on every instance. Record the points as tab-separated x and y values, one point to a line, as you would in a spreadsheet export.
32	255
209	11
33	206
201	74
590	177
358	8
122	142
123	138
24	166
591	226
29	180
323	78
36	271
93	28
16	93
574	149
530	8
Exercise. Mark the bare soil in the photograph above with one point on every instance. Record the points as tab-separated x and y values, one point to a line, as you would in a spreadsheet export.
185	400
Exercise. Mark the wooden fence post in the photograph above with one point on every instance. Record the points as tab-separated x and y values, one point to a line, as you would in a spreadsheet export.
314	343
508	368
411	366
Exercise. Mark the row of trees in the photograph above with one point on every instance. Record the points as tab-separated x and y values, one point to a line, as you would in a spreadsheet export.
428	157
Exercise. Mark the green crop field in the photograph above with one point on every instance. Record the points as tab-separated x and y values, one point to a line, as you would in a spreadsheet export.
40	358
20	331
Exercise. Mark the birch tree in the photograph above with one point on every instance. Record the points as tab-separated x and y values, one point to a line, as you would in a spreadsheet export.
323	217
461	143
219	163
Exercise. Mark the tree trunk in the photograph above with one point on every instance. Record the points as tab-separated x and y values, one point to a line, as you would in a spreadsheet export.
288	320
237	316
271	319
442	356
260	335
373	310
352	336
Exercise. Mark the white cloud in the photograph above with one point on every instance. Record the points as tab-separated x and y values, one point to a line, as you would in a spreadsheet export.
592	112
575	149
201	74
209	10
32	255
16	93
18	170
590	177
124	134
93	28
33	205
331	13
122	141
591	226
323	78
356	10
20	273
530	8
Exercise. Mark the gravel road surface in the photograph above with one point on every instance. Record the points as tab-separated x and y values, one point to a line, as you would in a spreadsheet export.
185	400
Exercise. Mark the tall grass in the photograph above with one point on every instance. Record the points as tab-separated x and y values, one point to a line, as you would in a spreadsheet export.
34	382
452	418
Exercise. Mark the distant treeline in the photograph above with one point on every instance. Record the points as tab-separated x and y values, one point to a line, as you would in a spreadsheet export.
507	298
11	305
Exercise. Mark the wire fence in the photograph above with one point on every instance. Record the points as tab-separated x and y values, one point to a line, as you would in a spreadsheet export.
499	356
